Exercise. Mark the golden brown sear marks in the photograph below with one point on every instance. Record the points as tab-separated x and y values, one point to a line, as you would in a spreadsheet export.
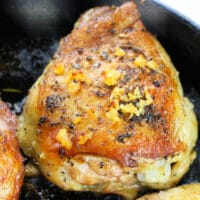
108	81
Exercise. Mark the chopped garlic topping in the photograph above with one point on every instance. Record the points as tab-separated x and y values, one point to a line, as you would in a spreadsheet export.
63	138
77	120
74	80
136	94
116	104
59	69
111	77
113	115
143	103
75	76
128	109
74	87
119	52
79	77
124	98
152	64
117	92
140	61
82	139
141	107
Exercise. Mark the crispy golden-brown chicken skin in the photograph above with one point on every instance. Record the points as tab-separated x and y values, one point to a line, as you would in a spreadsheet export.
108	113
11	162
183	192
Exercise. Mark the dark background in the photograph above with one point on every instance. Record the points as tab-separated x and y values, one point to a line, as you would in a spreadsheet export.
29	35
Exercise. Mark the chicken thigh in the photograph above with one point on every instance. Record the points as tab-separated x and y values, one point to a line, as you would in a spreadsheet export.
183	192
108	113
11	162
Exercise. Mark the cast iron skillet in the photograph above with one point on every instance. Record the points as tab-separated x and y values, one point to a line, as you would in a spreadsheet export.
29	35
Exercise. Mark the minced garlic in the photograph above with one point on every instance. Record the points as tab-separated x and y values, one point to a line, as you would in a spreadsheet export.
63	138
120	101
124	98
77	120
117	92
59	69
74	87
75	76
74	80
141	107
119	52
69	77
136	94
111	77
113	115
79	77
82	139
144	102
152	64
128	109
140	61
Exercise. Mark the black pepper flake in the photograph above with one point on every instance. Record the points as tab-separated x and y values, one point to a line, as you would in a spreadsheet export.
68	160
42	120
55	85
76	66
61	153
112	31
123	137
89	58
53	124
96	64
100	94
101	164
71	125
156	83
104	55
165	130
137	119
80	51
53	101
151	118
127	78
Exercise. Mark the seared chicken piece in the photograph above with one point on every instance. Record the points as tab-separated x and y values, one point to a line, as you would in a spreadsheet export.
183	192
11	162
108	113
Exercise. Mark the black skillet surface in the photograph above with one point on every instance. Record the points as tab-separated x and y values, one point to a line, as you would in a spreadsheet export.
29	35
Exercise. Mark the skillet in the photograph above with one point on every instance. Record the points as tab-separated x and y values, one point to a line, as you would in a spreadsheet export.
30	33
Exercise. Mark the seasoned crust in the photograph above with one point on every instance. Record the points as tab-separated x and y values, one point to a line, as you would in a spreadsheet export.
158	121
11	162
